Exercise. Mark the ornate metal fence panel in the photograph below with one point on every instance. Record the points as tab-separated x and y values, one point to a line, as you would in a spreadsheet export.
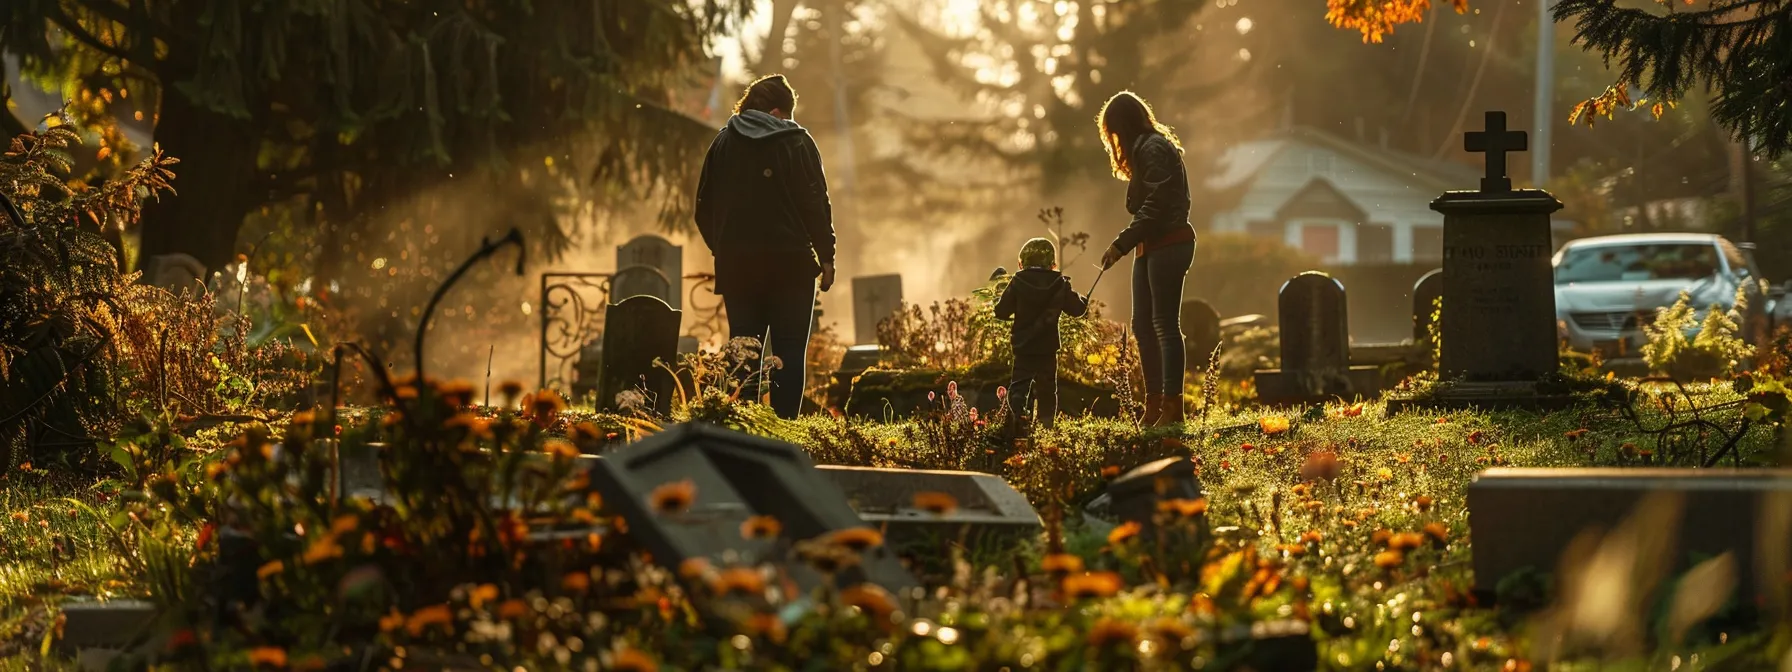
572	317
704	312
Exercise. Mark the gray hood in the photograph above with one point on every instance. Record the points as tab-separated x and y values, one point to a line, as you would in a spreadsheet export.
756	125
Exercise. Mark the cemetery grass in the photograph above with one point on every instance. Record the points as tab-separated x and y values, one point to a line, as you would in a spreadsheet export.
1364	515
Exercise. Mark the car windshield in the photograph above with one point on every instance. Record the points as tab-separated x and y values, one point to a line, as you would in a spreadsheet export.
1635	263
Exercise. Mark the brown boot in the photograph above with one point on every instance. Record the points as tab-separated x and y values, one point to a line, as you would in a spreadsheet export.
1172	413
1154	406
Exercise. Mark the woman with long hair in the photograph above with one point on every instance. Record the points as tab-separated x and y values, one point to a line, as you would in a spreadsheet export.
1146	154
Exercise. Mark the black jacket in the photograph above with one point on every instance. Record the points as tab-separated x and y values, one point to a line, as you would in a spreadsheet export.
762	202
1034	299
1157	196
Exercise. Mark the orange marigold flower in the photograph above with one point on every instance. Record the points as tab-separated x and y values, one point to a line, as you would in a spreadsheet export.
323	548
560	449
693	568
270	569
1406	541
482	594
869	598
1187	508
577	582
1125	531
422	619
1422	502
271	656
1061	564
673	497
632	660
510	389
856	538
21	517
826	557
768	626
1320	466
544	406
936	503
456	392
510	609
391	621
741	580
344	523
760	527
1311	537
1091	584
1171	629
1389	559
1438	532
1112	632
1110	471
1380	537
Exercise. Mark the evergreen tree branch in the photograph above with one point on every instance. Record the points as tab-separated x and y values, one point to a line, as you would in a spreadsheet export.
73	27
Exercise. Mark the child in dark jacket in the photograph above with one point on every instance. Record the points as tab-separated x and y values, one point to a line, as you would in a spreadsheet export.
1035	297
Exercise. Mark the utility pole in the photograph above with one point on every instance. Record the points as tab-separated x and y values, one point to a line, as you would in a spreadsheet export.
1743	176
1545	94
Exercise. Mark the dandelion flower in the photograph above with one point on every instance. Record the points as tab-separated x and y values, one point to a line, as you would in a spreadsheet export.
1112	632
936	503
1273	424
857	539
760	527
673	498
1091	584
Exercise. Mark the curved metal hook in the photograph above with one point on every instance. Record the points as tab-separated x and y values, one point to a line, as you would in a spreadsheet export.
486	249
12	211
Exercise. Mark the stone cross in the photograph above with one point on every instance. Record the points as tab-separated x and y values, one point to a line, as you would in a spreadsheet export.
1495	142
874	298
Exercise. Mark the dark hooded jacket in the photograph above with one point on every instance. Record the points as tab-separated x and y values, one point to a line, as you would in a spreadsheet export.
762	202
1157	196
1034	300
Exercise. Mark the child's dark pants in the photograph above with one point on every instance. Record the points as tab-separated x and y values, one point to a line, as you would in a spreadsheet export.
1035	376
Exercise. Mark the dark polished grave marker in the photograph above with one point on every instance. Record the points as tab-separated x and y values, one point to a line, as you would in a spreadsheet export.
638	332
1315	346
735	476
988	511
1201	328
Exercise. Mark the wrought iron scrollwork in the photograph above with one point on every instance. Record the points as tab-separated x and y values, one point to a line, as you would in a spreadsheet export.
708	316
572	314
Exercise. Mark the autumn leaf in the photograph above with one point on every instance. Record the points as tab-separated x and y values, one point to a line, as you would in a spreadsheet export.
1656	110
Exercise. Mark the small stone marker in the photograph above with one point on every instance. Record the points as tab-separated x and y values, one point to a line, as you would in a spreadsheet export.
1201	329
1523	518
637	332
656	253
989	511
1425	294
112	624
874	298
1133	497
735	476
1315	346
1499	285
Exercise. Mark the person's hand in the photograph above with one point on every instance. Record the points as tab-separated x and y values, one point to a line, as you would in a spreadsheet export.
827	277
1111	257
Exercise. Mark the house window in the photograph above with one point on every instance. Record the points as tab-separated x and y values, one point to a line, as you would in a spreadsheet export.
1320	240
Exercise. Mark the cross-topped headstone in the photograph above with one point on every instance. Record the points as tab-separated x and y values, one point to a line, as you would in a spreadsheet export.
1495	142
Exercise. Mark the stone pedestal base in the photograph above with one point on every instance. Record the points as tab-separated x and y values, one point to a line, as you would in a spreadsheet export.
1276	387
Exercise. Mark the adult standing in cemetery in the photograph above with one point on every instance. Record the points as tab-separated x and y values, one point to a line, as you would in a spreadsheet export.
1147	154
762	207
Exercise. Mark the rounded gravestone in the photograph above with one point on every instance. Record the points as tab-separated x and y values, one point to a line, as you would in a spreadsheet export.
1315	326
636	281
1425	294
1201	332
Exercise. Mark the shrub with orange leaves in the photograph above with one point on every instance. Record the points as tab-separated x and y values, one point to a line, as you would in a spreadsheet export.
1376	19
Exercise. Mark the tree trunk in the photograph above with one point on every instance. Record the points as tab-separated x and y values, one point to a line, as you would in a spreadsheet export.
216	183
771	54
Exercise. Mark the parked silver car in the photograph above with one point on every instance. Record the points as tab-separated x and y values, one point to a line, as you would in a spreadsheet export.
1608	287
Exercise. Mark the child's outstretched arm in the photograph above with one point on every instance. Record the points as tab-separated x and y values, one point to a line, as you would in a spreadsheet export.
1072	303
